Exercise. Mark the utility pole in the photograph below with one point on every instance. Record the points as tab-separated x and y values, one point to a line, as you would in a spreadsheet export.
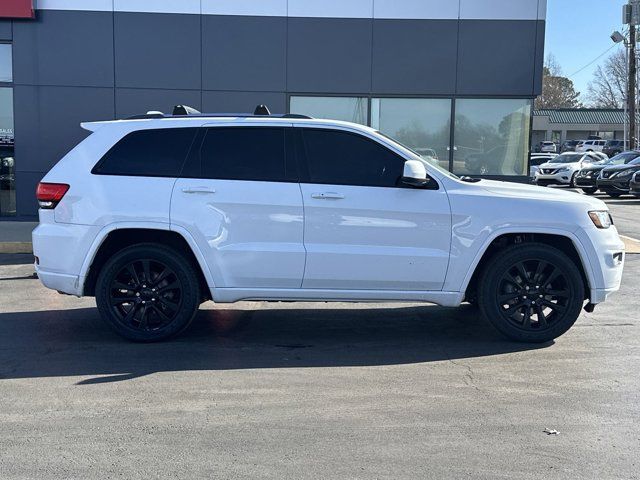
631	94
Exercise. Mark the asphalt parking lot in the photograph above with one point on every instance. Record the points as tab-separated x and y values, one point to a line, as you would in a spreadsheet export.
282	390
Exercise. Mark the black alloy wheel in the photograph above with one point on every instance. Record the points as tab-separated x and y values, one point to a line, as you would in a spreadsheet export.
531	292
148	292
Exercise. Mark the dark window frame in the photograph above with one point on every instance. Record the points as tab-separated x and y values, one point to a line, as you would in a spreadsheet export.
96	168
192	167
305	176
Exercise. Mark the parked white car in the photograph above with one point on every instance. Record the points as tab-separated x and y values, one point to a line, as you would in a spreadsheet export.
591	146
157	214
562	170
537	159
548	147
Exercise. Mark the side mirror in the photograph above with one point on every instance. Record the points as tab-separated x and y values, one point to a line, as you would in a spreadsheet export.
415	174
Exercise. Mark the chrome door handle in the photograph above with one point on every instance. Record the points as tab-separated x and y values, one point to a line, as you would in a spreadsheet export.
327	195
198	190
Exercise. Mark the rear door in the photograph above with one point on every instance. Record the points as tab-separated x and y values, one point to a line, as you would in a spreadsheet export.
364	230
240	199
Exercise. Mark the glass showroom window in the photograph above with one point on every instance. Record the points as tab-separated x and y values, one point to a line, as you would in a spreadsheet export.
423	124
7	179
350	109
6	70
491	136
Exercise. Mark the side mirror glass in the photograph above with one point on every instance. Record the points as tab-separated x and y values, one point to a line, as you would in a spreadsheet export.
415	174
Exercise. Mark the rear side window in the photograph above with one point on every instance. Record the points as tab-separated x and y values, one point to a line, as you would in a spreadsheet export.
246	153
148	153
343	158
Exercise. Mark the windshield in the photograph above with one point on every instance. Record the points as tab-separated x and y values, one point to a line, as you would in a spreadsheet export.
620	158
426	158
567	158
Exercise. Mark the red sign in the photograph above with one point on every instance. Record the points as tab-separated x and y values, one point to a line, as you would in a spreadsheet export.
16	9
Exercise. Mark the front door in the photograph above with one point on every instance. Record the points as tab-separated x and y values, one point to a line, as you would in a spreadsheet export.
363	229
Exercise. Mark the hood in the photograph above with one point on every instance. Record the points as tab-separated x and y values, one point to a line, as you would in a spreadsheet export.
594	167
618	168
520	190
558	165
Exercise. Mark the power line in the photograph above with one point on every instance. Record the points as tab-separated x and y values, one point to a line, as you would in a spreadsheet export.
593	61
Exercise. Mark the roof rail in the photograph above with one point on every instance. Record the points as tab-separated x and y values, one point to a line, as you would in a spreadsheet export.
181	111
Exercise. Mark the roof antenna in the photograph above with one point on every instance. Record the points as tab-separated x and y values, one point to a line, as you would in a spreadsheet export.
261	110
184	110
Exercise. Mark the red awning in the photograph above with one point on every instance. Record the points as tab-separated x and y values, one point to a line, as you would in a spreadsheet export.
16	9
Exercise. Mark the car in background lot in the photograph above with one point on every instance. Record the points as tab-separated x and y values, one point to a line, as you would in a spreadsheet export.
634	185
587	177
350	215
614	180
591	146
562	170
614	147
569	146
537	159
548	147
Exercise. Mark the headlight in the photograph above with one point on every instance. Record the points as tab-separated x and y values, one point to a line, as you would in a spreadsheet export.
625	173
564	169
601	218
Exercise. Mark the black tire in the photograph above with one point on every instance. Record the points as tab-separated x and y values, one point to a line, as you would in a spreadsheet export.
573	179
590	191
553	292
614	194
148	292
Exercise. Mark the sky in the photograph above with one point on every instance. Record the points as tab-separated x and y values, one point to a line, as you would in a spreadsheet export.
577	31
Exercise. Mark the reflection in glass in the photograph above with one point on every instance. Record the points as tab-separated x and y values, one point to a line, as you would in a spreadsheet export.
423	124
491	136
349	109
7	163
6	68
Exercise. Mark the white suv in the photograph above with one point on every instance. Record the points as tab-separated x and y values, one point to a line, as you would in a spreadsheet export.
591	146
156	214
563	169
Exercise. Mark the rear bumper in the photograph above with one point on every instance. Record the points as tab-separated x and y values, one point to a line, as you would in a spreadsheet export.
60	281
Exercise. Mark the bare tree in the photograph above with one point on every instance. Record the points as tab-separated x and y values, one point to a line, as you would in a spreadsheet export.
557	91
607	89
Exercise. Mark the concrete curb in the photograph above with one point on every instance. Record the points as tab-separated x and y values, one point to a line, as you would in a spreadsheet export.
16	247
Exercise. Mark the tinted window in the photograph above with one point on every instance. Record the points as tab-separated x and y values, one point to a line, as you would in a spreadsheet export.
149	153
248	153
350	159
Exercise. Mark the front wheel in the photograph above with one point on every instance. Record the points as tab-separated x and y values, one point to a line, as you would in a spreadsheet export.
614	194
148	292
572	184
531	293
590	191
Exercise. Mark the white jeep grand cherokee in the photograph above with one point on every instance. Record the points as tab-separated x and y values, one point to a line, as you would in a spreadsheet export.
156	214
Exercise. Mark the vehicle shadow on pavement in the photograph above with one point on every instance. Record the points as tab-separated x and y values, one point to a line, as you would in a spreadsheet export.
77	343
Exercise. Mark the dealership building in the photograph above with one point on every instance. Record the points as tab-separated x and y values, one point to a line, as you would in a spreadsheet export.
453	79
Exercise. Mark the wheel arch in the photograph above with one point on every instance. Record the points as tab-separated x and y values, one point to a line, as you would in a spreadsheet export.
563	241
114	238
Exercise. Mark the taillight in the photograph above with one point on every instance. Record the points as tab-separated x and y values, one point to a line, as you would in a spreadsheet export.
50	194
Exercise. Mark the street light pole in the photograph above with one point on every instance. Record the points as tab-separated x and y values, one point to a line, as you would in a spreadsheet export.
631	93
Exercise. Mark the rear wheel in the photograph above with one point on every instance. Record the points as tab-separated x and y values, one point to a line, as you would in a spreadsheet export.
148	292
590	191
531	293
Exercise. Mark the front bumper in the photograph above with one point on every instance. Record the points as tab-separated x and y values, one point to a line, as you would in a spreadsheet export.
634	188
586	182
613	185
561	178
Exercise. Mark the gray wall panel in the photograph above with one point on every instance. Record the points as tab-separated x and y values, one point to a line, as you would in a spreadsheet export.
496	57
539	60
64	48
242	102
26	203
244	53
329	55
414	56
47	122
134	101
157	50
5	30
